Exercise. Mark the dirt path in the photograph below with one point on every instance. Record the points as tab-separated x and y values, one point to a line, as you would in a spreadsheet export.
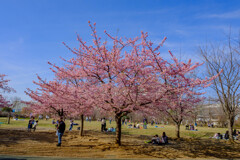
100	145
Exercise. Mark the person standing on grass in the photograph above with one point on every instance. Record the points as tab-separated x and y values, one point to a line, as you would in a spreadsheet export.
30	123
145	125
35	125
103	126
89	119
60	129
110	120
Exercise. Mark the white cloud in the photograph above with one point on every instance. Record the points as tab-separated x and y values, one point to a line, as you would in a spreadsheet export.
227	15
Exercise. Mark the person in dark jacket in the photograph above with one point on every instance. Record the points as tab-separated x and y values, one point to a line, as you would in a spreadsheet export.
30	123
226	136
61	129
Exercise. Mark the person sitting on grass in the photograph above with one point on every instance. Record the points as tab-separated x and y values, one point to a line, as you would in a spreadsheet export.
155	140
217	136
130	126
191	127
164	138
138	126
159	141
134	125
235	133
226	136
111	129
238	137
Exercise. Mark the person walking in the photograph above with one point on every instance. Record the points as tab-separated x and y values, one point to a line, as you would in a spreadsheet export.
110	120
71	125
60	129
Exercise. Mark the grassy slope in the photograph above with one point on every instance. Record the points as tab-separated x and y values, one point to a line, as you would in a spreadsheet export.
203	132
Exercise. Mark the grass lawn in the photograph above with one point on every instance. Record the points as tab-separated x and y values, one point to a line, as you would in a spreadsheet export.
16	140
203	132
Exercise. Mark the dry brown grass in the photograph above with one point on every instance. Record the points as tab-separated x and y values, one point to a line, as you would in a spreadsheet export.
100	145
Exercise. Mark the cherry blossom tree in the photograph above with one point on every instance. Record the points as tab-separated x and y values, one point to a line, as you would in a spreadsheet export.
118	76
127	76
4	88
132	76
62	96
179	91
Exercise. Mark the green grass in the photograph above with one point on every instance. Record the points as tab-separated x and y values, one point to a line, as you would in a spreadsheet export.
203	132
23	123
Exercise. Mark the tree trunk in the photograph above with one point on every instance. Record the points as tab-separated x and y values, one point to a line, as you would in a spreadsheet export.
230	127
9	115
178	130
118	130
81	127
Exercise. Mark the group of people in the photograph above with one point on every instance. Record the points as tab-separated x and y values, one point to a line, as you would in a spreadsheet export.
32	124
225	136
137	126
104	126
60	127
89	119
125	121
211	125
159	140
41	116
191	127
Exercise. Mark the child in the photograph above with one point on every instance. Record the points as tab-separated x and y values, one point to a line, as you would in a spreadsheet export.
35	125
53	121
71	125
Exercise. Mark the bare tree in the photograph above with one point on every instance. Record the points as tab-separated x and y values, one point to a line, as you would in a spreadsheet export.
225	57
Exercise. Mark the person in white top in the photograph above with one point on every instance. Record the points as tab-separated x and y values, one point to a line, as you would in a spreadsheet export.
103	127
35	125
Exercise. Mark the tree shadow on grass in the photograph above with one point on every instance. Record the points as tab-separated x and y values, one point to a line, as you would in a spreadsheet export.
192	148
208	148
11	159
15	136
177	148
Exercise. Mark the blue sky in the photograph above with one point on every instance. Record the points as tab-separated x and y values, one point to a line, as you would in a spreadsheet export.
32	31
